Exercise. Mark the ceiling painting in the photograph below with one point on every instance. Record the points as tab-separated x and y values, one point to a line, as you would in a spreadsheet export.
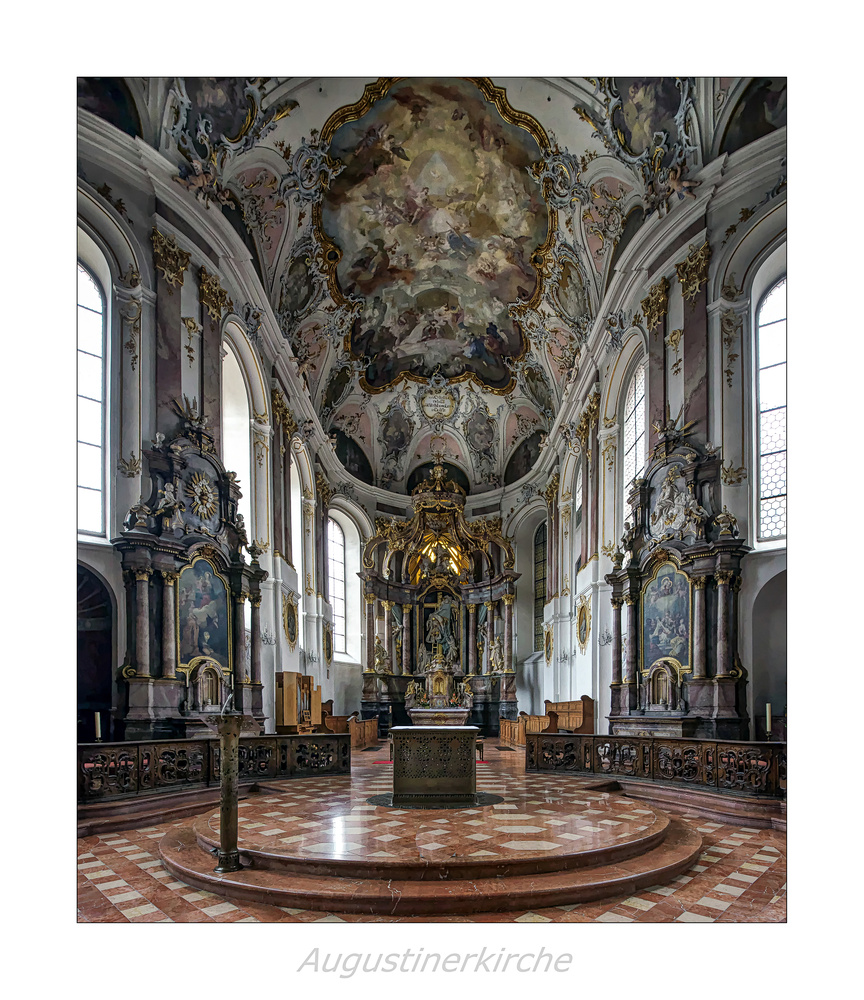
438	223
433	252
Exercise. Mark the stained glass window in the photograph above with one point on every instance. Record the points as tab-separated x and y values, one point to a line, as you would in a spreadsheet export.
771	402
539	584
91	405
634	427
336	581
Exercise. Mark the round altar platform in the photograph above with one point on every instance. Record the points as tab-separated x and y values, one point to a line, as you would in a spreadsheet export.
318	844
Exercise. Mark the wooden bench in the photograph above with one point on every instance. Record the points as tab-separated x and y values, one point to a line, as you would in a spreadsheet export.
337	723
561	716
364	732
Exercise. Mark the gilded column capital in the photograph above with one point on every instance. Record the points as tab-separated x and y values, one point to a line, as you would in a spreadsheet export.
242	597
693	270
699	582
256	600
212	295
143	574
472	609
388	605
489	605
723	576
617	602
629	599
370	598
406	609
169	259
169	577
508	599
656	303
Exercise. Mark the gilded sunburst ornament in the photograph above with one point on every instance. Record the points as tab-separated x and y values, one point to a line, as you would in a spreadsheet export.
202	493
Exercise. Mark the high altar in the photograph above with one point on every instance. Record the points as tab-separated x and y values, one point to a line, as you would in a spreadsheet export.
446	589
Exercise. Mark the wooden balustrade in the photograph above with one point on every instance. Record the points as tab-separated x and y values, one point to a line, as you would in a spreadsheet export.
747	767
113	770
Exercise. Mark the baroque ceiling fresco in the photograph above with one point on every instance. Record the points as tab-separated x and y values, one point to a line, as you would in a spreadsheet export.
436	250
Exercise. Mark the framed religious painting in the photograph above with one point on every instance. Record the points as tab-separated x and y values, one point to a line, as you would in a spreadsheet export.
203	620
666	618
328	644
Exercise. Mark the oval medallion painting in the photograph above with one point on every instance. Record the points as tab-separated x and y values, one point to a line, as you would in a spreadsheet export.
437	217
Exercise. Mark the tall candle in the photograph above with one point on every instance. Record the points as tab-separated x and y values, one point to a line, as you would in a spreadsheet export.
768	718
98	726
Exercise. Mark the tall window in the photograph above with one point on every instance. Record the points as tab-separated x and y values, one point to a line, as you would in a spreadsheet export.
577	521
336	581
771	403
539	584
91	405
634	427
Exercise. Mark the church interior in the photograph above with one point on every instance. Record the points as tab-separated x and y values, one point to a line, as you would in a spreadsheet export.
431	499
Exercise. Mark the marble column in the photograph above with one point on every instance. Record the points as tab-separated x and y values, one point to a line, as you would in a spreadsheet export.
142	622
472	638
370	632
508	632
616	640
632	665
256	638
388	636
699	636
490	635
406	639
169	626
239	644
724	664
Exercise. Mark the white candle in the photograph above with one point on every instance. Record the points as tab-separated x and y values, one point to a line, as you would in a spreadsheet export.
98	726
768	717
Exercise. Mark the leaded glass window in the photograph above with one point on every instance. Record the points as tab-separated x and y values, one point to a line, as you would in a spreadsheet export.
336	581
91	405
539	584
771	403
634	427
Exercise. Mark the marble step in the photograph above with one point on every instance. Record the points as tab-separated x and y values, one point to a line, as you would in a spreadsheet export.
425	869
183	856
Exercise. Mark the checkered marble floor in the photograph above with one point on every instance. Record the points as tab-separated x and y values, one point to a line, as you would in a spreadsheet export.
740	876
546	816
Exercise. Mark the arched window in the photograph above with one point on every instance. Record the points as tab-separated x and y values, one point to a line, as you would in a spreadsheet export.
539	584
336	582
91	404
634	427
236	431
771	409
577	521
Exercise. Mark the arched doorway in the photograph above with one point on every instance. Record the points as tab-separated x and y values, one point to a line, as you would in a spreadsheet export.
95	635
768	673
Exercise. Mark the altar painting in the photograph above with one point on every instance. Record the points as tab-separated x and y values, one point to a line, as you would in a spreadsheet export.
202	613
666	617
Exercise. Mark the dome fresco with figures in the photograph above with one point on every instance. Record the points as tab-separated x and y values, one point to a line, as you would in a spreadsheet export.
436	251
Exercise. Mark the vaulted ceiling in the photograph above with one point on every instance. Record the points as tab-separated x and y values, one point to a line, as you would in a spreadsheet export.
435	250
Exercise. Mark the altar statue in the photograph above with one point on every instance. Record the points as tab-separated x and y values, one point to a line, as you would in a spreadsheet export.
439	629
382	657
496	654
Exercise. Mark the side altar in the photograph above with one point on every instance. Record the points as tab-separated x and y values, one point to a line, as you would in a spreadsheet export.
440	648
